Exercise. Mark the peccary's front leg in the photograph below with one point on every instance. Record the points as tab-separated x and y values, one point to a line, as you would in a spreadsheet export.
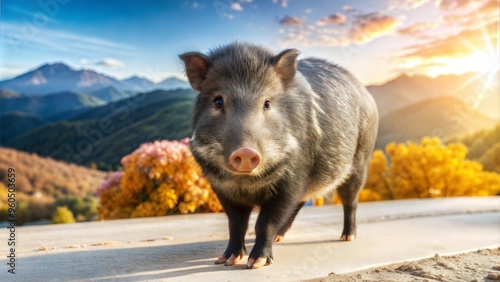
238	223
271	217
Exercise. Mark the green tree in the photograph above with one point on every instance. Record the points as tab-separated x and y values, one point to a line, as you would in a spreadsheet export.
491	158
83	208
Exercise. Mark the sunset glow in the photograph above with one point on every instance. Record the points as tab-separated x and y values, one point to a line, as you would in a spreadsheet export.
481	62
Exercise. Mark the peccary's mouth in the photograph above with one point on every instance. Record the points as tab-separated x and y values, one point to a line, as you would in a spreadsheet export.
235	172
223	176
255	173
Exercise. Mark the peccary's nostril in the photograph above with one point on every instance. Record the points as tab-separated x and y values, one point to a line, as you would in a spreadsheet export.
237	160
245	159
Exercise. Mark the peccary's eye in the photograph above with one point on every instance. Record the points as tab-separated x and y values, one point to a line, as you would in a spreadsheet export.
267	105
218	102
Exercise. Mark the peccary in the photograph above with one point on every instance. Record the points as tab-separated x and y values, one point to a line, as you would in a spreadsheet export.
273	132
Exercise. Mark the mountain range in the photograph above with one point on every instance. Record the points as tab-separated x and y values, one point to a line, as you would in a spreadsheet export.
442	117
481	91
59	77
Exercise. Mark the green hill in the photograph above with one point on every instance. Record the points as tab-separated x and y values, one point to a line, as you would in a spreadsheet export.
484	147
42	106
442	116
103	135
110	94
7	94
124	106
15	124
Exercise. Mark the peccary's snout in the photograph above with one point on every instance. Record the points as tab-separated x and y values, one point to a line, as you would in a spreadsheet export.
245	159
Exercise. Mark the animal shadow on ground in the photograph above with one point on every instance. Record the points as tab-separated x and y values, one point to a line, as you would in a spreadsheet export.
130	263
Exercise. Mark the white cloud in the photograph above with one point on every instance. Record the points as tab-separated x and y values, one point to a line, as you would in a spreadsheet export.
406	5
370	26
337	18
417	28
283	3
236	6
347	8
84	61
326	40
454	4
364	28
18	36
110	63
291	21
332	31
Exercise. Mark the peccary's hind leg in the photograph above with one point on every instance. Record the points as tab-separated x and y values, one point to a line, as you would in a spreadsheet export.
348	193
349	190
288	223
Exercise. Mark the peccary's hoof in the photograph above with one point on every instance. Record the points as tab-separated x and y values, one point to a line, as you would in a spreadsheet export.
232	260
346	237
278	238
221	260
259	262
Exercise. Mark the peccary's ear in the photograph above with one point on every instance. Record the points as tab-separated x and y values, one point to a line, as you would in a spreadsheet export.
196	68
286	64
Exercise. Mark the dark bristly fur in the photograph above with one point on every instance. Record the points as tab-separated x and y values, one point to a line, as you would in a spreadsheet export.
318	135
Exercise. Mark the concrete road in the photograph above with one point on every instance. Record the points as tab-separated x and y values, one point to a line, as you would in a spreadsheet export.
184	247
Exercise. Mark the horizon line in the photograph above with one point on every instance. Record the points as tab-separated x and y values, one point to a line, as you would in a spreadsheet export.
176	76
71	66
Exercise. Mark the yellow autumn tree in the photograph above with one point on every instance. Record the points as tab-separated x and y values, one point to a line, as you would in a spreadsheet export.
62	215
159	178
377	181
427	170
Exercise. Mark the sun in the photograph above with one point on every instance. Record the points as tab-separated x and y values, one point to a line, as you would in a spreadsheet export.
478	61
482	59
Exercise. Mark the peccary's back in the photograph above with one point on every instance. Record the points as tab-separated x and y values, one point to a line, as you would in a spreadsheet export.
348	118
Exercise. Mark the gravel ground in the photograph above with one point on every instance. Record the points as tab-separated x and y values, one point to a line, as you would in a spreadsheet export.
482	265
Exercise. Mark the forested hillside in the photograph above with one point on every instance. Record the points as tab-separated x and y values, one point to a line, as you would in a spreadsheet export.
42	181
103	135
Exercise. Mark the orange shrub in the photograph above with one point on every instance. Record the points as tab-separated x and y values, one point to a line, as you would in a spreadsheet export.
159	178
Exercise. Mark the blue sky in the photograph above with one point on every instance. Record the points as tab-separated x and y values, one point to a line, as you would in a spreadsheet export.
376	40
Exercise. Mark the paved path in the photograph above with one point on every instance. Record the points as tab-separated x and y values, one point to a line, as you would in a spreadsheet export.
183	248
